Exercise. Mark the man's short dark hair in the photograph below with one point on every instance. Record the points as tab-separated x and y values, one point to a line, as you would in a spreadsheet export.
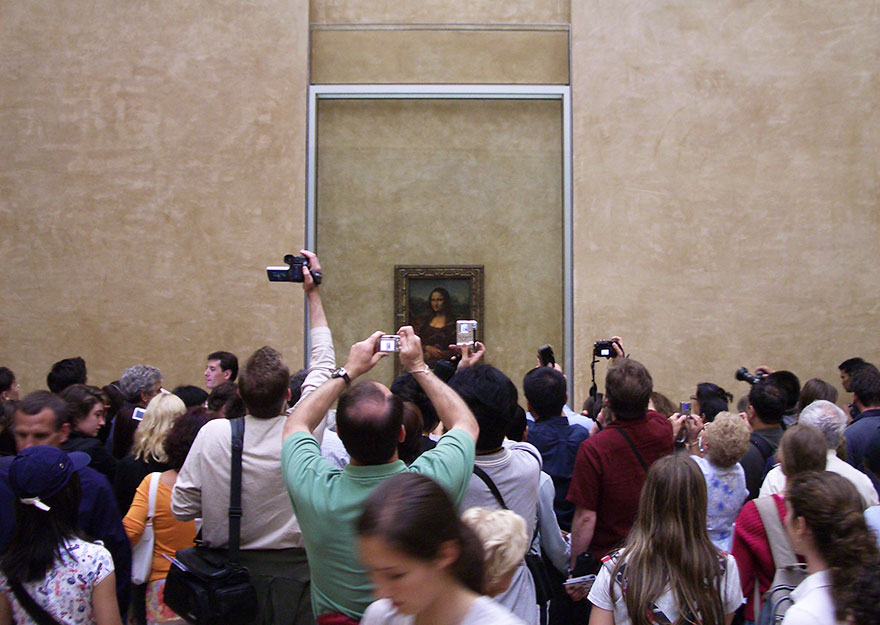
228	362
628	387
7	379
545	389
263	384
368	423
491	396
191	395
66	373
519	423
37	401
769	401
790	385
851	364
865	385
295	386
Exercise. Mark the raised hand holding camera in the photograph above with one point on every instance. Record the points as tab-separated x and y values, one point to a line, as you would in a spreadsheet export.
364	355
294	271
411	356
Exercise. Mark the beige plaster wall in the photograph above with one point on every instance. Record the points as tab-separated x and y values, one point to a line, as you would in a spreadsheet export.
726	187
443	183
152	165
440	54
440	12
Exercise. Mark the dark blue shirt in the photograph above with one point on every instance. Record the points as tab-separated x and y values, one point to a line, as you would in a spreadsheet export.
98	518
558	442
859	433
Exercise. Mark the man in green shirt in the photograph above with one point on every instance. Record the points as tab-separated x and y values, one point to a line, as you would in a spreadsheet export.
328	500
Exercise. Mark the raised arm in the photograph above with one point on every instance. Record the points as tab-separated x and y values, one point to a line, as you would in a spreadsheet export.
322	359
453	412
309	412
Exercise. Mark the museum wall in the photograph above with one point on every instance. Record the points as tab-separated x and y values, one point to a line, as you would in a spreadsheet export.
726	193
727	185
153	164
438	182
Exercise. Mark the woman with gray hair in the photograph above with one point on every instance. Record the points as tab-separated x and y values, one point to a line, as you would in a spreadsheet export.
140	384
829	419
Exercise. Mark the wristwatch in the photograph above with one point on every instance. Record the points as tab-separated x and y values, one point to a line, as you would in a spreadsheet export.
341	373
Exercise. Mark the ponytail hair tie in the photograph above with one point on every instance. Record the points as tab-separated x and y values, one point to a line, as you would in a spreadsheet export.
35	501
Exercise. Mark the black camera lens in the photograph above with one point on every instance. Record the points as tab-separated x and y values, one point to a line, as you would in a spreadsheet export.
743	375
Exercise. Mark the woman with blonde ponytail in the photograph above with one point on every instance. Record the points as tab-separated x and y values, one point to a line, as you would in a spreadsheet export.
668	570
826	525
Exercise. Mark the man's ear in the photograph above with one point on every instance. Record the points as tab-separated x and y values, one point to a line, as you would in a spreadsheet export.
402	436
227	373
65	431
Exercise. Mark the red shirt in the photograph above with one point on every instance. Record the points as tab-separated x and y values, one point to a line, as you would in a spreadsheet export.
608	476
752	552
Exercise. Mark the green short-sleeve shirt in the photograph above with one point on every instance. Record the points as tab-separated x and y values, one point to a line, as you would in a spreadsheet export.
328	502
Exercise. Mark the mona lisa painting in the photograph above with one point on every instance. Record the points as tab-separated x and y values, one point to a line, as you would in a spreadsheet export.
432	298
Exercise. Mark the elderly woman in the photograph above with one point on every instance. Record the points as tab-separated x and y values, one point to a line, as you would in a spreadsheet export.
724	442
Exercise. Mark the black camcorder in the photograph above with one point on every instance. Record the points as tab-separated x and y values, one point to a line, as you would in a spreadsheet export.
743	375
293	272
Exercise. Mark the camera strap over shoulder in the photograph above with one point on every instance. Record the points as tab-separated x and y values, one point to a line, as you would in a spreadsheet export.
633	446
235	511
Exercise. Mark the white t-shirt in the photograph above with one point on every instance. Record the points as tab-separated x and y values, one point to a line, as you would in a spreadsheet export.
600	596
66	591
812	602
483	611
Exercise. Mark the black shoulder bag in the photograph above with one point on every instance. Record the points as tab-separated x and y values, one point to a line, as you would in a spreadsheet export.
534	562
209	585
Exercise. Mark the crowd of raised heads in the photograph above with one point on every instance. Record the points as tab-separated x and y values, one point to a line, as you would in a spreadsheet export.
446	498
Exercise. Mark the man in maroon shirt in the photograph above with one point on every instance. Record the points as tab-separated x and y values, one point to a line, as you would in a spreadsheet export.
610	466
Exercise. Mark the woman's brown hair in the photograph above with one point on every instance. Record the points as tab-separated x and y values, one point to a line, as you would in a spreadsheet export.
802	448
669	546
832	508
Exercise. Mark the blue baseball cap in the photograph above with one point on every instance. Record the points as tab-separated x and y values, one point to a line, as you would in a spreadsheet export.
39	472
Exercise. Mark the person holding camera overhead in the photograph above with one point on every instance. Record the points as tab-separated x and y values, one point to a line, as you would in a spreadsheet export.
611	465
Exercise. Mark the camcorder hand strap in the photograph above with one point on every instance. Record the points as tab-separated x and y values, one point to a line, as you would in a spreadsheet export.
235	490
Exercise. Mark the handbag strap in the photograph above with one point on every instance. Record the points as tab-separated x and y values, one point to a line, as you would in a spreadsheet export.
488	480
480	473
151	504
235	489
631	444
34	610
780	547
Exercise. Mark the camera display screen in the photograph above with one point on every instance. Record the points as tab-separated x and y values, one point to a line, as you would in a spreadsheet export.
604	352
389	343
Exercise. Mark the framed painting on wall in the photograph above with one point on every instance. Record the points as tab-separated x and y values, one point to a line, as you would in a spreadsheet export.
432	298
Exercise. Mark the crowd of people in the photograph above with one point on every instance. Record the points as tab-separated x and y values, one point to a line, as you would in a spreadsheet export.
445	499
